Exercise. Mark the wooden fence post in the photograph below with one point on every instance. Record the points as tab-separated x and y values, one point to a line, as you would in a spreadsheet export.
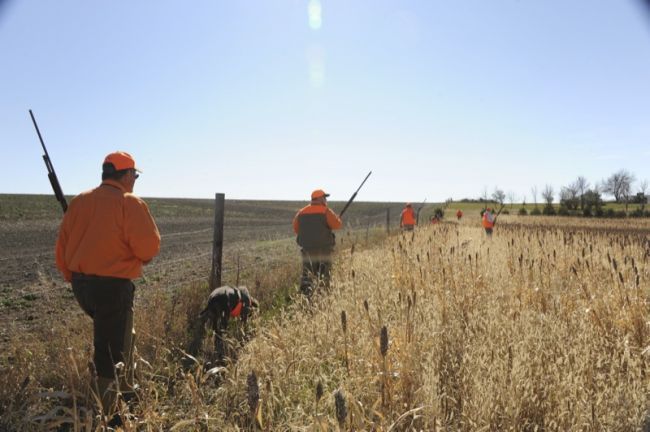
217	245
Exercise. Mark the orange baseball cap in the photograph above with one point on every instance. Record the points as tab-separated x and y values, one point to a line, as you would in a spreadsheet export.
121	161
319	193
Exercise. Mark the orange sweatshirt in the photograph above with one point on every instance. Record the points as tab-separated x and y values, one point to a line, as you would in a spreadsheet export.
106	231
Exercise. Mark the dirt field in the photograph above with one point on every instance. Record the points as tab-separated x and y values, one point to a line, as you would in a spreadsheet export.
257	234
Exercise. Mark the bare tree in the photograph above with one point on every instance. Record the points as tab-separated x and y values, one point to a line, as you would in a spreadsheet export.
547	194
498	196
512	197
533	192
619	185
569	196
582	185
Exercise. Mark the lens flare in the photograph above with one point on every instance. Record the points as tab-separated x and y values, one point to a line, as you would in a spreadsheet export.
315	17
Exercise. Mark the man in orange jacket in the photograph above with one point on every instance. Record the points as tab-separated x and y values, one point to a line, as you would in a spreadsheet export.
407	218
459	214
106	236
314	225
488	222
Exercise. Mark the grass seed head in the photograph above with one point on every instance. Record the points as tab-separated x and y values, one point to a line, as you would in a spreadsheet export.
383	341
252	391
341	407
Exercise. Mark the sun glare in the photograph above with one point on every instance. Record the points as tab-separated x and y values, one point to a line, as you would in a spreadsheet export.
315	19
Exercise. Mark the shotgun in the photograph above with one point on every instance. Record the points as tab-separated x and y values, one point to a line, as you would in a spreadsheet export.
51	174
498	213
354	195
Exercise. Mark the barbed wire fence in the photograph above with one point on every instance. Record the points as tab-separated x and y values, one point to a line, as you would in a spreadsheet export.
33	276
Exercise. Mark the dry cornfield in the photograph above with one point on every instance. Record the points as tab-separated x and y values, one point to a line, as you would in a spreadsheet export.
542	327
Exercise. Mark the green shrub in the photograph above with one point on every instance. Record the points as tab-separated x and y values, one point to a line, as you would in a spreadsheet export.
535	212
562	211
549	210
637	213
586	212
522	211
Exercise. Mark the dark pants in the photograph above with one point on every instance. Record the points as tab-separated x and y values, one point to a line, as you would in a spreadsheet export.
316	271
109	302
488	231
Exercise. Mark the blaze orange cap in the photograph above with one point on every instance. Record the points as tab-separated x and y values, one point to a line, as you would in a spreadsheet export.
319	193
121	161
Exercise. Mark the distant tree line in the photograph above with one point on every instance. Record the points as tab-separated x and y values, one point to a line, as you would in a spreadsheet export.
580	198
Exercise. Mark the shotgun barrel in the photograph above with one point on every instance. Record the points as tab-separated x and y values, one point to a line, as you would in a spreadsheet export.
51	174
354	195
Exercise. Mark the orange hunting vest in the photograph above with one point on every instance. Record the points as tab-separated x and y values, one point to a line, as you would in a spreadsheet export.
487	223
408	216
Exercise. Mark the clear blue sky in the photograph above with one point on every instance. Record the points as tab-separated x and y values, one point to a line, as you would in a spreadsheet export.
269	99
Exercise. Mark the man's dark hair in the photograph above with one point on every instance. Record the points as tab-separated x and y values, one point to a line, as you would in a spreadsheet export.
109	172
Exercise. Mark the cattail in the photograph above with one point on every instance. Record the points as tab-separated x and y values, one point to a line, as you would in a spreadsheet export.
252	392
383	341
341	408
319	391
365	305
344	321
353	274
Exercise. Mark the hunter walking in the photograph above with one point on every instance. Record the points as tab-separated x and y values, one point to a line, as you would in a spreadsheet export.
407	218
106	236
488	222
313	225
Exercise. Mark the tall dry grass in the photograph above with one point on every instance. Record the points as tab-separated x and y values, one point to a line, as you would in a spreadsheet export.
539	328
